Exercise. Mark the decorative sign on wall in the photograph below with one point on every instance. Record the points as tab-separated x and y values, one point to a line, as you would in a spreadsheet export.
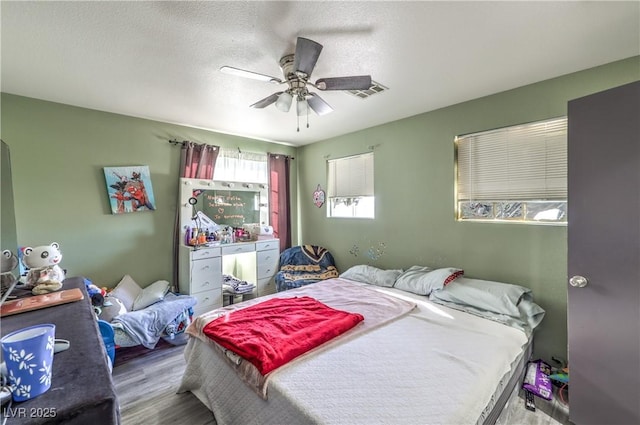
129	189
318	197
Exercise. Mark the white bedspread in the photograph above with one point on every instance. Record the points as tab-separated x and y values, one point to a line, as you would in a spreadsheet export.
435	365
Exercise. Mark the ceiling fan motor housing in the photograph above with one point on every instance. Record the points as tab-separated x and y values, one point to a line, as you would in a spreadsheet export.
297	81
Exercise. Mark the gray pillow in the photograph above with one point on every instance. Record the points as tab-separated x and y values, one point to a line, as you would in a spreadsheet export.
126	291
151	295
423	280
372	275
497	297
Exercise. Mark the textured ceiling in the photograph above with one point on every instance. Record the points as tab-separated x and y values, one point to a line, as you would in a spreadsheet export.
161	60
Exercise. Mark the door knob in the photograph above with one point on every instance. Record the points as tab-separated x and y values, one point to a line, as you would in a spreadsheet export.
578	281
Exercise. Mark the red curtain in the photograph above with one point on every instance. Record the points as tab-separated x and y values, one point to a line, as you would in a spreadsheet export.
279	198
198	161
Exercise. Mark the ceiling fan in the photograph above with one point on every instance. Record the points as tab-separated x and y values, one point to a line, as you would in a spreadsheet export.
297	68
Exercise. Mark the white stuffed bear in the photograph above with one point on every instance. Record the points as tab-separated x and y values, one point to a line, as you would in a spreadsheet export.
45	274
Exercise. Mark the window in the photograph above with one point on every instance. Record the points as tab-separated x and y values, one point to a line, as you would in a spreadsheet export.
515	173
233	165
350	187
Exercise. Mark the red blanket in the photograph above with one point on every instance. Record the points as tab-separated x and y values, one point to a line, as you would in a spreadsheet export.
273	332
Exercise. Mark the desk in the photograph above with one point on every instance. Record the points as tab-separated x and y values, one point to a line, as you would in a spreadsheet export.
82	391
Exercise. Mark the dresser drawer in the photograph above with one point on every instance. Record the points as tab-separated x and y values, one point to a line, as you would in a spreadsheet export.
206	274
238	248
199	254
207	301
267	245
266	286
267	263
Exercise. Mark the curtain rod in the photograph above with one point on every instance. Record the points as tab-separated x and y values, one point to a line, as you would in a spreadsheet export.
281	154
176	142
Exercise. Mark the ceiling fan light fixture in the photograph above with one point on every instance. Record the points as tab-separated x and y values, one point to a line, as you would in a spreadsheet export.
302	107
284	102
296	69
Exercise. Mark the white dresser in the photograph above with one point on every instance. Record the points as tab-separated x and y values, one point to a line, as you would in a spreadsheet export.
267	263
201	270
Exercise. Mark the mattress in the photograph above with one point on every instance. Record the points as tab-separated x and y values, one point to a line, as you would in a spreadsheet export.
434	365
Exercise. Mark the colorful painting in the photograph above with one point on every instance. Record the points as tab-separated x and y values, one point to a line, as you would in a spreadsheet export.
129	189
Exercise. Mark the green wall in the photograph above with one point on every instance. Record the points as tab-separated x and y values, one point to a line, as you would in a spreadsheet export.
58	152
414	187
57	157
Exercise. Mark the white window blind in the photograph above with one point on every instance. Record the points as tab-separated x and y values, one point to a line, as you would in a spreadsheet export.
524	162
350	177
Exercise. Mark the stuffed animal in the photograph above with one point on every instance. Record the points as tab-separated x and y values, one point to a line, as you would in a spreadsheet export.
96	294
9	262
45	274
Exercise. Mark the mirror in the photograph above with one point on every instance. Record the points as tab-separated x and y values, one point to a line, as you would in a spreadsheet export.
224	203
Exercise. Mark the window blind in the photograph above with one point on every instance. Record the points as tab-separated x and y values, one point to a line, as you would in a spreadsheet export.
524	162
350	177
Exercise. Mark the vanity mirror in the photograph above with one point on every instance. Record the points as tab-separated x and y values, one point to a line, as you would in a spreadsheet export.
223	203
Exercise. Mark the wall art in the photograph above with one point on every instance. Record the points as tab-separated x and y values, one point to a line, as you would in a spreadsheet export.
318	197
129	189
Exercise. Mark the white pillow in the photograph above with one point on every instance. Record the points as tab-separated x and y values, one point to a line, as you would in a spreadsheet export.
373	275
422	280
151	294
126	291
498	297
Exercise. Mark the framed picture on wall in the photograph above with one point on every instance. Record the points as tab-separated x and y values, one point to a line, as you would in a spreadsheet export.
129	189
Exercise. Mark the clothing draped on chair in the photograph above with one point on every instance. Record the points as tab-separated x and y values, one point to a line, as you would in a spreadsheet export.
197	161
279	198
302	265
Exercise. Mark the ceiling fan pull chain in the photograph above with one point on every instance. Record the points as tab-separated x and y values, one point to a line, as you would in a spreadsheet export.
298	118
307	115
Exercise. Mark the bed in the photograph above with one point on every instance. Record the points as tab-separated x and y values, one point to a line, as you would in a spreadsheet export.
439	362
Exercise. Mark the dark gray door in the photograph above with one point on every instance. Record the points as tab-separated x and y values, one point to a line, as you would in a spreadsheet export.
604	248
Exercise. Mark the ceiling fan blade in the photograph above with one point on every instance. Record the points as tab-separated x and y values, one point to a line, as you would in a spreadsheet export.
266	101
358	82
318	105
306	55
249	74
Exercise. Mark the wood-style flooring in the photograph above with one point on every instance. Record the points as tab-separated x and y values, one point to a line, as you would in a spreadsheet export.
147	384
146	388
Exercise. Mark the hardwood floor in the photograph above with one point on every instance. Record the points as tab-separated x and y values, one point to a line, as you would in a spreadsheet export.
146	388
147	384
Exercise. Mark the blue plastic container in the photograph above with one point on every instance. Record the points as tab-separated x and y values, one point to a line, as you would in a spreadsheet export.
106	330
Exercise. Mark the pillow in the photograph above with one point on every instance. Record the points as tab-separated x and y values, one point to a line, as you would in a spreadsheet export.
498	297
127	290
151	295
373	275
108	312
423	280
